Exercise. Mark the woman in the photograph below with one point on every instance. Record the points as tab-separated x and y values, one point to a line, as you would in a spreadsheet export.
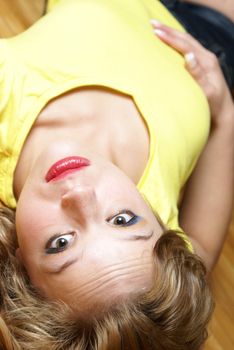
85	235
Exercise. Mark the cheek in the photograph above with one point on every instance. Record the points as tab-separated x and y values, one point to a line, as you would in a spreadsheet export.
27	216
124	191
31	217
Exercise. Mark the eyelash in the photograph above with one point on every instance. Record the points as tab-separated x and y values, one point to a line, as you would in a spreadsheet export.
132	221
50	250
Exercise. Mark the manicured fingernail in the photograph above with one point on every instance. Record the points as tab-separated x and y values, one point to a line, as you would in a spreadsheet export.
159	32
155	22
190	59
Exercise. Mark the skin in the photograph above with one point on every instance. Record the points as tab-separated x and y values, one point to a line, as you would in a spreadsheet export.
116	266
98	257
207	205
110	260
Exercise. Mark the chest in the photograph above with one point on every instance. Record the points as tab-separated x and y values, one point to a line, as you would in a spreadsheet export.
102	120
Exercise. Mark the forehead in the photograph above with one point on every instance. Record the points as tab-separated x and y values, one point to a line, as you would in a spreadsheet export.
93	282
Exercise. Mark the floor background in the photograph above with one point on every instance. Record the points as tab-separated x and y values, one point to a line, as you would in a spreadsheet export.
16	16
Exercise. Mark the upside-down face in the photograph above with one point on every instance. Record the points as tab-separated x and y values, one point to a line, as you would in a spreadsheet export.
85	233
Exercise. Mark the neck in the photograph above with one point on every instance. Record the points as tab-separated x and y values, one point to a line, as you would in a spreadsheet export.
102	122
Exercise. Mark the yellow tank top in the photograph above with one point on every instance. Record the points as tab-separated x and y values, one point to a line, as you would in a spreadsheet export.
110	44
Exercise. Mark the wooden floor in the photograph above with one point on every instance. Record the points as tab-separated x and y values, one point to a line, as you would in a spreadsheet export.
17	15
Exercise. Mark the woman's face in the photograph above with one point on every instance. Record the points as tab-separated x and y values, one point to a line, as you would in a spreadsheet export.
86	236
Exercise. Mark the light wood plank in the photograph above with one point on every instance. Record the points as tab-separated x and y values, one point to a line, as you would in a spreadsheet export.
17	15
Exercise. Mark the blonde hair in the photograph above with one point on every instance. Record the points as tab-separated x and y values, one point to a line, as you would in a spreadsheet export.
173	315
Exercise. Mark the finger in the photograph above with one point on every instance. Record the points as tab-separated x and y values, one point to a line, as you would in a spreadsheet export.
181	41
197	71
201	63
191	60
185	44
174	32
193	66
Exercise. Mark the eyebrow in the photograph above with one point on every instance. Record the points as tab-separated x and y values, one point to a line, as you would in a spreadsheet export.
70	262
142	237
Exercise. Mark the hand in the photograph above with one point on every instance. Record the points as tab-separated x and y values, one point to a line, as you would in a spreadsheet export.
203	65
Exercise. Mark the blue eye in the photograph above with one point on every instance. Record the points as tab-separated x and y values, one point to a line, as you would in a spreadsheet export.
59	243
124	218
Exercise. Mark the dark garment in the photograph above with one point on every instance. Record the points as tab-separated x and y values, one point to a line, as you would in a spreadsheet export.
211	28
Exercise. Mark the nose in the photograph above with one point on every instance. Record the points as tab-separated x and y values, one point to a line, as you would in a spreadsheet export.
80	202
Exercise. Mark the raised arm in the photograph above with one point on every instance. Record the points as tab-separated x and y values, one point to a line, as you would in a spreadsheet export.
206	208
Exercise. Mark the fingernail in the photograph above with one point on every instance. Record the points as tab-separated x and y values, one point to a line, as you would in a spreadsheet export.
155	22
190	59
159	32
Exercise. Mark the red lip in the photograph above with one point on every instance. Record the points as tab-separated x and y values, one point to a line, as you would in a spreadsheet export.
65	166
